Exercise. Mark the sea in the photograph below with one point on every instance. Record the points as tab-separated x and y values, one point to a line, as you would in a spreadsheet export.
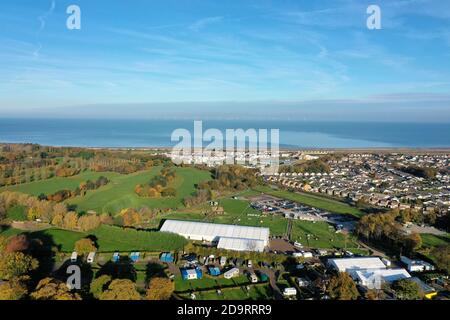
157	132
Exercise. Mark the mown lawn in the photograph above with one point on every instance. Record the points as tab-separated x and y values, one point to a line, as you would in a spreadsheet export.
312	201
261	292
321	235
431	240
240	212
52	185
208	282
119	193
108	238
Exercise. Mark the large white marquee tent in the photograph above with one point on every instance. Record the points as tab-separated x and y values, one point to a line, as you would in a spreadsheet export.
230	237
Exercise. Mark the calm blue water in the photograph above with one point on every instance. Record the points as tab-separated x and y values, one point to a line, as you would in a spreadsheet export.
156	133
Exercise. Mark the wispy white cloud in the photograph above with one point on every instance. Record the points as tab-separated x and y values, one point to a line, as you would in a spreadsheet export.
42	20
202	23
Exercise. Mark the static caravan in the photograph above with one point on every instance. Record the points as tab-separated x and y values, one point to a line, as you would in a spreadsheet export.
289	292
91	257
74	257
231	273
253	278
223	261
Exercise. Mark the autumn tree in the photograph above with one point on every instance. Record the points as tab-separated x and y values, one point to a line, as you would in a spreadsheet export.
160	288
88	222
130	217
53	289
121	289
13	289
15	264
342	287
413	242
18	243
84	246
70	220
99	285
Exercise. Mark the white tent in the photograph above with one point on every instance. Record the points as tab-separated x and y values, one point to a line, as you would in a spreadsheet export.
238	236
240	244
350	264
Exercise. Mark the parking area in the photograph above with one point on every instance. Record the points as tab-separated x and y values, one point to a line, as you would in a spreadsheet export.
288	209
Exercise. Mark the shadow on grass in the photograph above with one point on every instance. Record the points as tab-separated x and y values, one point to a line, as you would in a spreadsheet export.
123	269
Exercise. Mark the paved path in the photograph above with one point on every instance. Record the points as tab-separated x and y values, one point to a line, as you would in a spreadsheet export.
273	284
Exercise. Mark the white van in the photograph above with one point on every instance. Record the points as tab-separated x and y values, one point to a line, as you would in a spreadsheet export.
90	258
74	257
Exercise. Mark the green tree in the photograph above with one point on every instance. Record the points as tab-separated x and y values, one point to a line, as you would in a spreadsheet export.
99	285
342	287
441	255
121	289
406	289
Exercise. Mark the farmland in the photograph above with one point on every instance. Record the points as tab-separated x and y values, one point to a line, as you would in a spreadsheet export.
108	238
319	235
119	193
52	185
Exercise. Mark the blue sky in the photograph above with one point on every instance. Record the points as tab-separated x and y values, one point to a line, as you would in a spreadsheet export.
316	58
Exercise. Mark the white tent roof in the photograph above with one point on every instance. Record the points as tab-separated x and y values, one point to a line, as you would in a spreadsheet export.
214	231
388	275
349	264
240	244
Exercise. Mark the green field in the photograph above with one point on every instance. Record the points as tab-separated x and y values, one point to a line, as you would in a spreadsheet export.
431	240
256	292
312	201
208	282
108	238
322	235
119	193
52	185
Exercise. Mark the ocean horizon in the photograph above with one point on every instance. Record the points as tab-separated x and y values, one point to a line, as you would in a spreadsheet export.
116	133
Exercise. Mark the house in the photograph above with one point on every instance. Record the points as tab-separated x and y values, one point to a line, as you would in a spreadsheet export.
416	265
